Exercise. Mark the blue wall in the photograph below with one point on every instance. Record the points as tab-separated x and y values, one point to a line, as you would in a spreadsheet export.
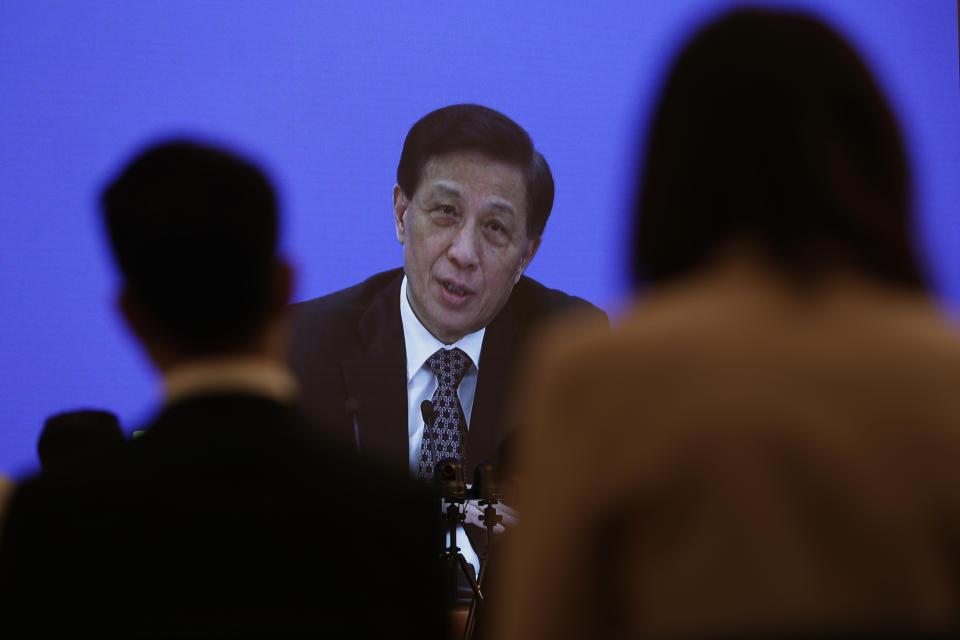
323	96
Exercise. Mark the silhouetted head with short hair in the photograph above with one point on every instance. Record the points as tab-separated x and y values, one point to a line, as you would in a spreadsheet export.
194	231
73	438
771	130
472	127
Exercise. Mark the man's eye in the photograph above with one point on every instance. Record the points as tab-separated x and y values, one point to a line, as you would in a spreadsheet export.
493	225
447	209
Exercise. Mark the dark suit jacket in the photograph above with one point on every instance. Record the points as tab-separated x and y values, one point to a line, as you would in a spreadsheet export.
230	516
350	344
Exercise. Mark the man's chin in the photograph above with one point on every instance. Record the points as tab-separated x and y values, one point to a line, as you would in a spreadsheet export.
453	331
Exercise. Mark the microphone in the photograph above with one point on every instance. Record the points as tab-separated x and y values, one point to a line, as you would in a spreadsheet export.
448	478
485	485
426	411
353	410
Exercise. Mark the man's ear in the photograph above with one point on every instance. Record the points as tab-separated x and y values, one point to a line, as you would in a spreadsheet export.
400	205
160	352
529	250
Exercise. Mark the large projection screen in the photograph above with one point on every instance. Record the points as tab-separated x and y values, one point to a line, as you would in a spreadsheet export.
322	94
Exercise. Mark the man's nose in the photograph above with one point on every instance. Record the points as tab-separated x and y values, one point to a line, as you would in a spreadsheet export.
463	247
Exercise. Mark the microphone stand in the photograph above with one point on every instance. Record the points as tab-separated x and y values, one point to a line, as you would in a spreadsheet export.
484	487
448	476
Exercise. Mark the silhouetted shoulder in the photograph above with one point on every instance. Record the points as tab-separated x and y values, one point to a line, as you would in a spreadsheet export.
262	513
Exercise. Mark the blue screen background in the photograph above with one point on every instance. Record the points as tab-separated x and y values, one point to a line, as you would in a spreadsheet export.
322	94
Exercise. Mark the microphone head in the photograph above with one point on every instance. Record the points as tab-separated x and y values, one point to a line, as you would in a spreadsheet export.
448	478
485	482
426	412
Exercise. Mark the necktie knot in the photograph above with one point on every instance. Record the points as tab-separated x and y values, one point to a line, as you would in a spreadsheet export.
449	365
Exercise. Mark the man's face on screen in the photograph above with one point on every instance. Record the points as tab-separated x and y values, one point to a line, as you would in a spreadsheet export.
465	244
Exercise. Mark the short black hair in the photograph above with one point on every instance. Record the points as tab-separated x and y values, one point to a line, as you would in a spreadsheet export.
472	127
194	230
770	128
72	438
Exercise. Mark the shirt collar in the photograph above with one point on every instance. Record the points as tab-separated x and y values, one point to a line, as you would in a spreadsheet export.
229	374
421	344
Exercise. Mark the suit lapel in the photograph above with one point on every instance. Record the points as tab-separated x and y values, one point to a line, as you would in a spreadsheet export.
497	360
377	379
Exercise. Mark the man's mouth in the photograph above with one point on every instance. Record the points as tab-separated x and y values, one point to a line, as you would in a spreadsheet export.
454	288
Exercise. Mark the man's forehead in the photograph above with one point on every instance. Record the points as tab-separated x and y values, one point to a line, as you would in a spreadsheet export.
458	172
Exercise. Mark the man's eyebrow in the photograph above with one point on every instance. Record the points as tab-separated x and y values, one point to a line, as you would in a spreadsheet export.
444	189
503	206
447	189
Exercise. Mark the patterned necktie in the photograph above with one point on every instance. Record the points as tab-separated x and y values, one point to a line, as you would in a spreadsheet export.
446	437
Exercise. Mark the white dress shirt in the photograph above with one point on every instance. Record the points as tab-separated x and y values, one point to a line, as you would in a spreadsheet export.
421	381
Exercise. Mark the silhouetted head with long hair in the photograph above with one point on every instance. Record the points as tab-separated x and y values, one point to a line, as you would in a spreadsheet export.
771	130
